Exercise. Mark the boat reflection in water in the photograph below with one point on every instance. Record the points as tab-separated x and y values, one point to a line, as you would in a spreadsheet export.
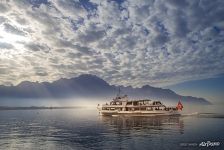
146	125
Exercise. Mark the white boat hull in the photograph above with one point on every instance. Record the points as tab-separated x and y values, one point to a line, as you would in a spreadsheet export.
138	113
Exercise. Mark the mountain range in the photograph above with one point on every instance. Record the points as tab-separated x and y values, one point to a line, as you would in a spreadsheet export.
90	86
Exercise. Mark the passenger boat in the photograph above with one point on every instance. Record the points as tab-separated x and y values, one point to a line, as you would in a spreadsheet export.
120	105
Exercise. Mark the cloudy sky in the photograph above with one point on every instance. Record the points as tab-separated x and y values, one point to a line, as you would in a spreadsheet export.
129	42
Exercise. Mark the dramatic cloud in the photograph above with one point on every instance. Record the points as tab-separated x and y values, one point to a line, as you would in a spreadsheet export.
129	42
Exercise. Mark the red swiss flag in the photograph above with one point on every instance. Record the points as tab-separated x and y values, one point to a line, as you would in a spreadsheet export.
180	106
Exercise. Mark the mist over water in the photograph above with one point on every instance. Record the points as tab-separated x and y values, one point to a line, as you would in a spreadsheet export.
85	102
83	128
215	108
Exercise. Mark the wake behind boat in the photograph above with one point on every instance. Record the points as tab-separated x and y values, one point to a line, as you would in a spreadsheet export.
142	107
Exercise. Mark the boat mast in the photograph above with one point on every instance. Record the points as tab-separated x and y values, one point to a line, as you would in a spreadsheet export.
119	92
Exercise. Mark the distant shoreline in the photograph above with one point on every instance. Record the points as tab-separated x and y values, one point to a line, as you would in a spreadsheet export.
38	107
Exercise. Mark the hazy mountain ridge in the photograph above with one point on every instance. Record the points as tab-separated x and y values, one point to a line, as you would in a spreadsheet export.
88	86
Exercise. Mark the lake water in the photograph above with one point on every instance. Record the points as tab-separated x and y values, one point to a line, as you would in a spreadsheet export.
82	128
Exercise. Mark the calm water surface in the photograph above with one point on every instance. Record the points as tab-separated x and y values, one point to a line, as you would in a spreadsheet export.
84	129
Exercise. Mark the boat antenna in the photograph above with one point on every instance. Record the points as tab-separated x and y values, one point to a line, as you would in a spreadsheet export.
119	92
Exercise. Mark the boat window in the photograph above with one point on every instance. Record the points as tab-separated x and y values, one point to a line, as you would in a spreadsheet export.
157	108
149	108
135	103
105	108
143	108
129	103
141	103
